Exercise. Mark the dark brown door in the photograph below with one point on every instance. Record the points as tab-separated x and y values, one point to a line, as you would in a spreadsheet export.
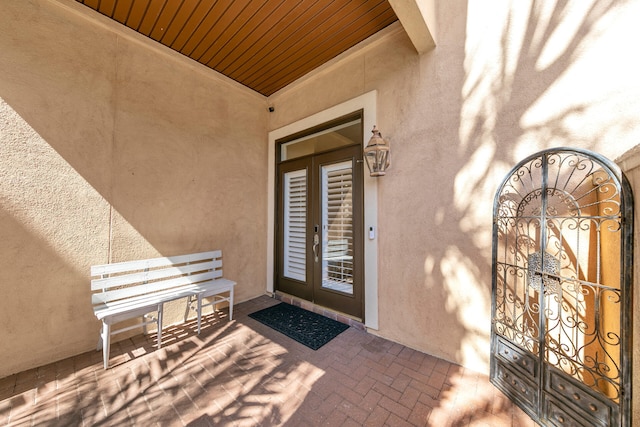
320	229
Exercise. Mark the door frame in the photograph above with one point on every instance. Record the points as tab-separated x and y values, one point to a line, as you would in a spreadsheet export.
366	103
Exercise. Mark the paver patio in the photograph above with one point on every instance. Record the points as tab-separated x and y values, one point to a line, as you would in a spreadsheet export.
242	373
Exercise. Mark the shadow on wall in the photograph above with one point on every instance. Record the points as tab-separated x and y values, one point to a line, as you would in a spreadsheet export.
112	151
502	120
33	273
510	105
158	140
516	103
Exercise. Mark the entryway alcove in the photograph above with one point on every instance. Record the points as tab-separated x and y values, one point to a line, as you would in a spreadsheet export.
562	289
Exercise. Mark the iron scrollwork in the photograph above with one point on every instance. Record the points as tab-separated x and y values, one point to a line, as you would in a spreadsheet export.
560	284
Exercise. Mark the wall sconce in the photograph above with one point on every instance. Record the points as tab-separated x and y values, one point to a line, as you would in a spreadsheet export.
377	154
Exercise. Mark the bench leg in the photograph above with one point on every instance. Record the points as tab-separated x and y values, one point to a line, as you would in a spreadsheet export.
145	329
106	342
159	333
199	312
215	305
188	308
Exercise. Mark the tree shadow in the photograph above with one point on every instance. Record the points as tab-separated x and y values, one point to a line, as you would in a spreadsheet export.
495	98
495	131
229	367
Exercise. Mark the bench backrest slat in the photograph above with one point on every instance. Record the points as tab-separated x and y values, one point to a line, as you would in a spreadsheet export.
130	279
150	288
149	275
120	267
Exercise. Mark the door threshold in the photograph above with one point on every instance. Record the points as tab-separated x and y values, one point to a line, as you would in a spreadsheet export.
323	311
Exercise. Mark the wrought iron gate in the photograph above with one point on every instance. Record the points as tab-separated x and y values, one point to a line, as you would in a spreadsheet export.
562	289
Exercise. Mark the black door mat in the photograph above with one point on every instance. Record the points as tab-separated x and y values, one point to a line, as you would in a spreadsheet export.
306	327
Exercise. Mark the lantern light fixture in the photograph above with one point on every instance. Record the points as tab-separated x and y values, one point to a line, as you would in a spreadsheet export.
377	154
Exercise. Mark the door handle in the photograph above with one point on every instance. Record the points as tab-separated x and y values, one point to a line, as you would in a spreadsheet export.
316	242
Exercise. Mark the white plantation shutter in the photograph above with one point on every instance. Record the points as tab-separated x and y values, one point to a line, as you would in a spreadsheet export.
295	224
337	227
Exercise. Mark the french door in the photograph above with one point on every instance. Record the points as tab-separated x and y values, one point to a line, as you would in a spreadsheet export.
320	229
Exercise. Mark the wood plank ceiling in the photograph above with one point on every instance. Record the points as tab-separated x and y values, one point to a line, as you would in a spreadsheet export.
262	44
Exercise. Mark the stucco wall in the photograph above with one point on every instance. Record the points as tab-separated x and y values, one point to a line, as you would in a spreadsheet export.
112	148
506	79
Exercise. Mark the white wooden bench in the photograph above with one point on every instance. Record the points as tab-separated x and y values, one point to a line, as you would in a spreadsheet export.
127	290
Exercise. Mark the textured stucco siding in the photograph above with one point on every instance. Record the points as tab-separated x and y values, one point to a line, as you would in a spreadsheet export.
494	90
111	149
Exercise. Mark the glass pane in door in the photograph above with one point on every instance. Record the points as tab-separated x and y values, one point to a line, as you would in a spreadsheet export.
340	135
337	227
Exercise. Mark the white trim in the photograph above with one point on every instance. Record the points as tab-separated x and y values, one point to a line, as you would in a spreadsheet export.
367	103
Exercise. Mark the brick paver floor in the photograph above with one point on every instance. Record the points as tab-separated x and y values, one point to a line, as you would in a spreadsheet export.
242	373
